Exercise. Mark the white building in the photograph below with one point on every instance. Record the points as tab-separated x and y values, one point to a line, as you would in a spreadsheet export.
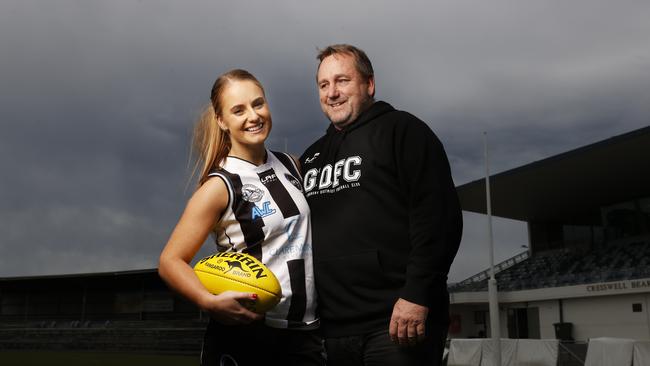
587	271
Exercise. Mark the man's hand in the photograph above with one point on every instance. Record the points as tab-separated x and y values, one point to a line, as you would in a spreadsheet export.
407	322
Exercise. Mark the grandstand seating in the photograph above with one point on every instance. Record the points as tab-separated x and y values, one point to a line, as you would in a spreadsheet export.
149	336
571	266
175	341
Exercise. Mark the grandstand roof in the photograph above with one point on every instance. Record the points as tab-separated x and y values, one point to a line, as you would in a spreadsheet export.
568	187
81	275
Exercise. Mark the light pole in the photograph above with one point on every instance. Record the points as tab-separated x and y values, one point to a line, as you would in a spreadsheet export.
493	298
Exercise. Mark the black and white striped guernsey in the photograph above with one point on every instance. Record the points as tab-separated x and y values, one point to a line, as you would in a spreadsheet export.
268	217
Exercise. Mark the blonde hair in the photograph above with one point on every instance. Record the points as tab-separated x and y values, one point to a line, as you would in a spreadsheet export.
211	144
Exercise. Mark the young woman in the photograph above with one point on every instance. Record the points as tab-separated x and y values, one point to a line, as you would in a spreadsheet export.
251	200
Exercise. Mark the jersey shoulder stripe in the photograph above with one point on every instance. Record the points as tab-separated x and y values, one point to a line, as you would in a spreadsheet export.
288	163
226	180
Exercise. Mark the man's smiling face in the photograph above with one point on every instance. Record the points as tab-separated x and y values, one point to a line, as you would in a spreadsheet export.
343	92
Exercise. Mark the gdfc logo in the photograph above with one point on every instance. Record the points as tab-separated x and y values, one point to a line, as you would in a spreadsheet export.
330	175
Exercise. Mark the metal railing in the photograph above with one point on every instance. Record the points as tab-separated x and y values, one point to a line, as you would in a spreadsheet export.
497	268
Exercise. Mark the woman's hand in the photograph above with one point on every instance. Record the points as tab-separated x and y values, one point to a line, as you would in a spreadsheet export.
229	307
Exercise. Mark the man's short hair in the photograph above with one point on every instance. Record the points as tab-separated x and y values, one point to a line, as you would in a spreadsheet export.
362	62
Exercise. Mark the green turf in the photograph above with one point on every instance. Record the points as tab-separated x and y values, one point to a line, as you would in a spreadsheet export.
65	358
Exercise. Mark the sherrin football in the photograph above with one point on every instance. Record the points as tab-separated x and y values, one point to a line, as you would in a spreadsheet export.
242	272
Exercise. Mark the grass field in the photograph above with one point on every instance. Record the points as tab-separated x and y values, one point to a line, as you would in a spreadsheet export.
63	358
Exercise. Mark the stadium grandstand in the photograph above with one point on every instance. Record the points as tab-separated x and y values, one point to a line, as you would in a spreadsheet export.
586	272
129	311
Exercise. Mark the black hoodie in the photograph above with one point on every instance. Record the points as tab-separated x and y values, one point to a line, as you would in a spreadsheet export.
386	220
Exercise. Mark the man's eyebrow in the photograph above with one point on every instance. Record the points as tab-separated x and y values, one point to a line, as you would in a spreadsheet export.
335	77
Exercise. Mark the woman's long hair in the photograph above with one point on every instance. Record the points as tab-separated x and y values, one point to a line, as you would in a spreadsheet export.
210	144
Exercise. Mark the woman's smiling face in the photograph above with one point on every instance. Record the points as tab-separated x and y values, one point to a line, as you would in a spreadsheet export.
244	114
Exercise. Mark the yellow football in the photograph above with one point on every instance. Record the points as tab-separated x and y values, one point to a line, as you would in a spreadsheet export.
242	272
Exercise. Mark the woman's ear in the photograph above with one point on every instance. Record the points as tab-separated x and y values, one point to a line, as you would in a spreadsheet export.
221	125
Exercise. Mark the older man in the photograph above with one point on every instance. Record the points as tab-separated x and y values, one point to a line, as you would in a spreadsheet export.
386	220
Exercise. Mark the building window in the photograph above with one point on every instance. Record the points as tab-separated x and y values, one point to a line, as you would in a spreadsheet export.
637	308
621	220
479	317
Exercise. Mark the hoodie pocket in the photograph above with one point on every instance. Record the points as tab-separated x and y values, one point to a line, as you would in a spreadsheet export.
353	286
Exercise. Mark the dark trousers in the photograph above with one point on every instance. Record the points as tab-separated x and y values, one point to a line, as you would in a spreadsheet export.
257	344
377	349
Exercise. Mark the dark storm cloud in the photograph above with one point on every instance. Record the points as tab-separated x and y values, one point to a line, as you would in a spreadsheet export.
98	99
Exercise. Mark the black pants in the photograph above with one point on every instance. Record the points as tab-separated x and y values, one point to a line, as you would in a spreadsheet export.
377	349
256	344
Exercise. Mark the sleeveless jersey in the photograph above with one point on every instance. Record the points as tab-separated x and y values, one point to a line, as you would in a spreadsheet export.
268	217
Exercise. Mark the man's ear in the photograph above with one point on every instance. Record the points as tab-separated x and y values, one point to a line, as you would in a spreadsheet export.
371	86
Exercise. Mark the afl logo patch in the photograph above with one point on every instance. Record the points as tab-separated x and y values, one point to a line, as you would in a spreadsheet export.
251	193
294	181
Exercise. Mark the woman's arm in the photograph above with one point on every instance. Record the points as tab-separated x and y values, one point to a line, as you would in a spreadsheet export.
203	209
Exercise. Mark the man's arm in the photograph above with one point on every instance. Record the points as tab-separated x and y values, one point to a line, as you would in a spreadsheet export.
435	225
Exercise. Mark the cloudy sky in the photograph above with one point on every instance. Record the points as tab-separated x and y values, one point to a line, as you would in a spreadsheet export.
98	98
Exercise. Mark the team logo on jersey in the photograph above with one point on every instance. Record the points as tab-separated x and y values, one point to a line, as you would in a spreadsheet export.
309	160
294	181
250	193
265	210
331	178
